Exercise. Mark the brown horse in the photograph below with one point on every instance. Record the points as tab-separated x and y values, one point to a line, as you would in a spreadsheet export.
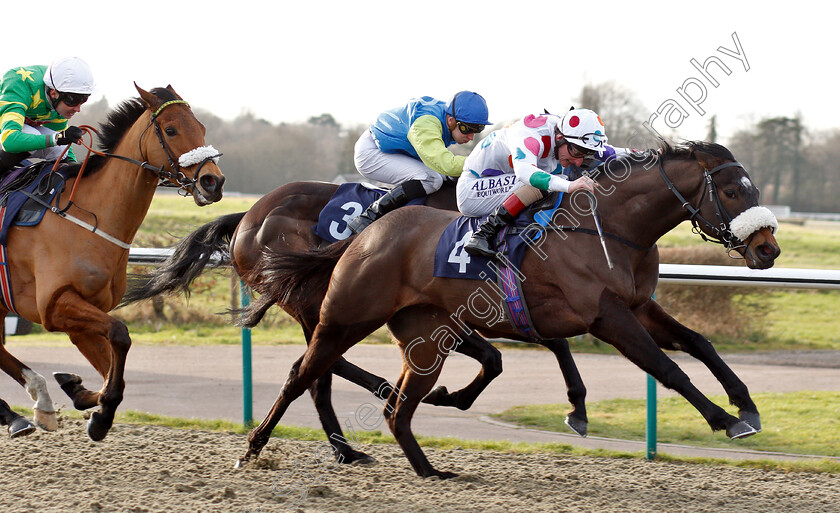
67	277
571	288
282	221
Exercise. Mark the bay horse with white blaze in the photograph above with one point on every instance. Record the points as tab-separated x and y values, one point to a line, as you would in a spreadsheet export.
67	277
571	288
282	221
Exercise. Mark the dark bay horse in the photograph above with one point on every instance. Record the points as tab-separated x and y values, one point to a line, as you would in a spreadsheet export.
571	287
281	221
67	277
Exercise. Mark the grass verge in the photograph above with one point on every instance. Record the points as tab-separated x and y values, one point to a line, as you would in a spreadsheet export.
795	423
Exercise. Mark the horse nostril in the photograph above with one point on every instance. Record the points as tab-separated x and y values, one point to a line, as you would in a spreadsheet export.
208	183
767	252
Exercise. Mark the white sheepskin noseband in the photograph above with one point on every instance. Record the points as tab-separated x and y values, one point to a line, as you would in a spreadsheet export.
197	155
751	220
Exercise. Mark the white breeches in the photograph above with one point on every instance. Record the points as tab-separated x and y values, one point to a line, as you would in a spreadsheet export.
392	168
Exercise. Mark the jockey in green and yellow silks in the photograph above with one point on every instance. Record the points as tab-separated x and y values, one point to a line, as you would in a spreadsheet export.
36	103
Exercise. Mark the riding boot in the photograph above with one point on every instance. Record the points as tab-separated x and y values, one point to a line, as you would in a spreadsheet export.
482	242
397	197
8	161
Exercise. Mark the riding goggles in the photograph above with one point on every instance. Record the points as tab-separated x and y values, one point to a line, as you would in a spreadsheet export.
577	152
594	139
469	128
72	99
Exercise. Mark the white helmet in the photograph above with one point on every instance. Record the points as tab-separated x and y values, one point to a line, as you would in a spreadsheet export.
69	75
583	127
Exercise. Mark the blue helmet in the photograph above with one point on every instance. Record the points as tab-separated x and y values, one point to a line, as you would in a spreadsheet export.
468	107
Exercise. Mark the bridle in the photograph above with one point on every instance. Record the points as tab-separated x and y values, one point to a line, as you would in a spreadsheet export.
722	232
184	183
176	177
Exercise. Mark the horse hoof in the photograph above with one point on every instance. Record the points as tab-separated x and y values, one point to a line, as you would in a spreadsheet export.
753	419
20	427
442	475
357	458
434	397
577	425
97	427
740	430
64	378
46	419
241	462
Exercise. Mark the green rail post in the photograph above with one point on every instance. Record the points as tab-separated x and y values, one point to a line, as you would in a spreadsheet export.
650	426
247	381
650	429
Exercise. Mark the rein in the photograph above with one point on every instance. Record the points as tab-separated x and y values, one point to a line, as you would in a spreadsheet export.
612	236
185	184
723	234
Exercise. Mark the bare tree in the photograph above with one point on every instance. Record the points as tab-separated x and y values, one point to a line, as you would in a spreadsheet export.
619	107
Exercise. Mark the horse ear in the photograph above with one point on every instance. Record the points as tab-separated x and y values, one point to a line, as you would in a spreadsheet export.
172	90
151	101
707	160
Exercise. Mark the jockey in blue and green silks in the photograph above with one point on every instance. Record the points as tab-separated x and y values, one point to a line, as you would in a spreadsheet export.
407	147
36	103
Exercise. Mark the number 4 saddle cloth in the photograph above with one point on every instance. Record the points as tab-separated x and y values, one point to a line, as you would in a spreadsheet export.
502	274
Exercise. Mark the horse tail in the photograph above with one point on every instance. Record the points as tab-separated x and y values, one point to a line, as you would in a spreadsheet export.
210	244
294	280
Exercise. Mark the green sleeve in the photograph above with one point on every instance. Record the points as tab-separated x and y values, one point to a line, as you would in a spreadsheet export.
426	136
11	137
540	179
17	101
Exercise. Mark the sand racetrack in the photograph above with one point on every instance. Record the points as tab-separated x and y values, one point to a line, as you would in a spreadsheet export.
141	468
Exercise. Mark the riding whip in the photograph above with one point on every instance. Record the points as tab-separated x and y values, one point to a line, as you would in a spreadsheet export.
592	203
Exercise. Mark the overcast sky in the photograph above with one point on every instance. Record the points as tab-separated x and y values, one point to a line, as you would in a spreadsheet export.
286	61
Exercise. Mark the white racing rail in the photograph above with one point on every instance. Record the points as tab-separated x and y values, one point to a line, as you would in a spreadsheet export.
722	275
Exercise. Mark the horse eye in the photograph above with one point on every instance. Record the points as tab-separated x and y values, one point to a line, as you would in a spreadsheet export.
170	131
730	194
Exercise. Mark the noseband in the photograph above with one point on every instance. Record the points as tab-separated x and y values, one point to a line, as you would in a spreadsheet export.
722	230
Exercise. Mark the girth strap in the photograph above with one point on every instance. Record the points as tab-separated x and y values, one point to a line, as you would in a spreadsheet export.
89	227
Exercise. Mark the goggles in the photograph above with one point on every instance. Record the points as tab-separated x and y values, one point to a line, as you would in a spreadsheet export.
72	99
577	152
468	128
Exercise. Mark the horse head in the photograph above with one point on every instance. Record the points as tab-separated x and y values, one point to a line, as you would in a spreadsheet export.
193	166
729	211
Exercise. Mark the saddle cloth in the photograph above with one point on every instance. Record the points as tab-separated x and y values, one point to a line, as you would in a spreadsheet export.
451	261
17	208
350	200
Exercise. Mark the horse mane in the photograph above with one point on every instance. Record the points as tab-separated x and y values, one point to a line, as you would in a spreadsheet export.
118	122
687	149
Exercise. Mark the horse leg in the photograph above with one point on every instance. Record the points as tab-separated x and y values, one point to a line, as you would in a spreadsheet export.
575	389
425	343
105	342
344	453
34	384
327	345
670	334
616	325
18	425
405	398
490	358
321	392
